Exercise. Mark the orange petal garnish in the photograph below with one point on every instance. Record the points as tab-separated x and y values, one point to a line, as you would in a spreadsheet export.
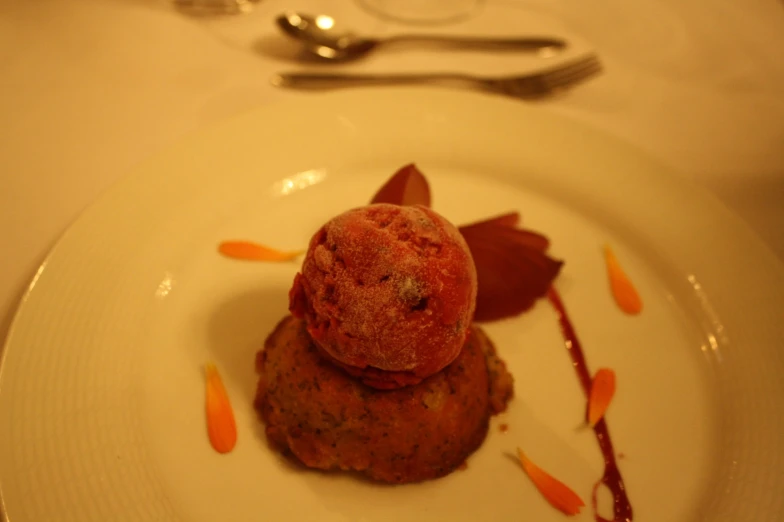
602	391
558	494
407	186
248	251
512	268
622	289
221	426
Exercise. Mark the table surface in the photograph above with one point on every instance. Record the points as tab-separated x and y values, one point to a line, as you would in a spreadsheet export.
90	88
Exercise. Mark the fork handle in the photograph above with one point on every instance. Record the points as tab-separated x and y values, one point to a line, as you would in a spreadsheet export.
335	81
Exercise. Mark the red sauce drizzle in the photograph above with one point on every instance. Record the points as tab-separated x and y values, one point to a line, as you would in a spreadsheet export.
622	509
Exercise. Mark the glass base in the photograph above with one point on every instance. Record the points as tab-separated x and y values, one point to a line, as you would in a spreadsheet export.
214	7
422	12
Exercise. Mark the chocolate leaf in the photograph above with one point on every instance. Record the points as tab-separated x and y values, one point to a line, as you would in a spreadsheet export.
511	219
504	225
407	187
512	268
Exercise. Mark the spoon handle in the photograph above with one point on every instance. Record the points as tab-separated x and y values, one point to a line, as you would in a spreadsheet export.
334	81
490	44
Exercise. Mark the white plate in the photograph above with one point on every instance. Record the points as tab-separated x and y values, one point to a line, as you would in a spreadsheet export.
101	391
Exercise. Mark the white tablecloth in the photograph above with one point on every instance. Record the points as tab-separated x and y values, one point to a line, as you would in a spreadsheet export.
89	88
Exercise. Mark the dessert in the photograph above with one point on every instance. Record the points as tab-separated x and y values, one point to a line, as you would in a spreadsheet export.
379	369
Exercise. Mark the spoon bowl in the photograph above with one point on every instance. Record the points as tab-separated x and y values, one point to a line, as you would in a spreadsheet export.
322	39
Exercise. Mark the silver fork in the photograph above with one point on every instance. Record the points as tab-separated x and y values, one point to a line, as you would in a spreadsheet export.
531	85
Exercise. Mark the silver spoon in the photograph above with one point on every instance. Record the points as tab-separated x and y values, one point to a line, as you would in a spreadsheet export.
320	37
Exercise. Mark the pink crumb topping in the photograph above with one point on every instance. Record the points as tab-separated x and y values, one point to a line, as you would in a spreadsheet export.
388	292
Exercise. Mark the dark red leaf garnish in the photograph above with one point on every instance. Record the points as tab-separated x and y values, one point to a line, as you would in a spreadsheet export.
407	187
512	219
504	225
512	268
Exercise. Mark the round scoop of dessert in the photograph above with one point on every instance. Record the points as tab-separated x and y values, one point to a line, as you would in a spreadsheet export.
388	292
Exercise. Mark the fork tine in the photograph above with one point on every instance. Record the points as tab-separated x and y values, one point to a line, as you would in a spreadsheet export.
571	73
590	68
576	71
